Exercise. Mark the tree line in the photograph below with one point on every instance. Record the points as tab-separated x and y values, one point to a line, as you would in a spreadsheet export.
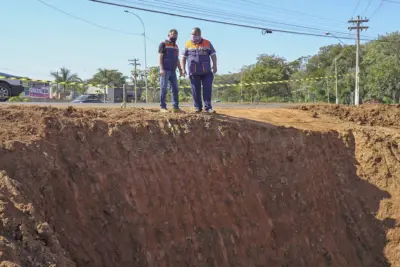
379	76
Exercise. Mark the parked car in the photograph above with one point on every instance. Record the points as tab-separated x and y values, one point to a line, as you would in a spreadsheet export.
87	99
372	101
9	87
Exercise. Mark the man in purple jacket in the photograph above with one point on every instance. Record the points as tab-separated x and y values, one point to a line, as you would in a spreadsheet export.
197	54
168	61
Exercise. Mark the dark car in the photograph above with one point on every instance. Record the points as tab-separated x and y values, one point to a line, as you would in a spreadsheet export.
372	101
87	99
9	86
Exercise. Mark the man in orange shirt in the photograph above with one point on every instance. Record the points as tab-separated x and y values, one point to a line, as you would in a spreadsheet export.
197	54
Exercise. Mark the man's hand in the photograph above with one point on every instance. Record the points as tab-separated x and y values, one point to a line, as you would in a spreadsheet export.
214	69
183	72
162	72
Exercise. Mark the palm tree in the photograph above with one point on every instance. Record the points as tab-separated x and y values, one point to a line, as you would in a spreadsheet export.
65	75
154	82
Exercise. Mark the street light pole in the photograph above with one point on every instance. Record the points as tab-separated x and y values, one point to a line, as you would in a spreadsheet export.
241	84
241	87
145	50
328	33
337	97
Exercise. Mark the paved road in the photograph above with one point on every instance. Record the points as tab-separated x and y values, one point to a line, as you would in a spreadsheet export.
149	105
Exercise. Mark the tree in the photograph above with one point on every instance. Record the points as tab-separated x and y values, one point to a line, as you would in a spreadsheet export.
154	84
108	76
381	69
379	79
65	75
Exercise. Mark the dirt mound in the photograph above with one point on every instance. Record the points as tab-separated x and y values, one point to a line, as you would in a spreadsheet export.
136	188
372	115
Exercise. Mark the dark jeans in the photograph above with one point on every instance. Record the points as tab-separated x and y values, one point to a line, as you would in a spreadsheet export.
196	82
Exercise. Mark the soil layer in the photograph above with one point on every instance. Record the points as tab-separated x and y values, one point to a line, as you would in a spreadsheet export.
102	187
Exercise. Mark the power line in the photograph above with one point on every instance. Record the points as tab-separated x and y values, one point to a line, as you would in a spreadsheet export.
219	22
288	10
84	20
200	10
355	9
96	25
376	10
369	4
252	8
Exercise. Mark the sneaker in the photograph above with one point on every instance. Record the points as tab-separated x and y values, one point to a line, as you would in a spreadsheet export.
164	110
176	110
197	110
211	111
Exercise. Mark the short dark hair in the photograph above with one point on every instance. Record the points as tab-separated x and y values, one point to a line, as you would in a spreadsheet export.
172	31
196	29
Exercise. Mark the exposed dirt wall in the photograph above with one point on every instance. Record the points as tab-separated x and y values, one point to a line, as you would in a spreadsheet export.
372	115
135	188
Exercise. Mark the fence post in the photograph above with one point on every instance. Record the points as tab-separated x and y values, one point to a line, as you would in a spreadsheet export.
105	93
124	95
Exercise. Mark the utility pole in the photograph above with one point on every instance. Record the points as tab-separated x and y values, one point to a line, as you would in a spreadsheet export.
359	28
135	64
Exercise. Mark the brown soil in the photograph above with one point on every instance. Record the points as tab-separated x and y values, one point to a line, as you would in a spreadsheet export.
373	114
99	187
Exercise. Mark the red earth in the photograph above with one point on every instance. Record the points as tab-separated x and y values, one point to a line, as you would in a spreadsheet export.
246	187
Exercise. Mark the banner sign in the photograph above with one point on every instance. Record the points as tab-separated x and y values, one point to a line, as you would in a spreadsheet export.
42	92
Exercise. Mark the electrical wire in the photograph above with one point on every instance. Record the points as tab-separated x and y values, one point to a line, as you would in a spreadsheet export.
321	20
221	22
86	21
369	4
288	10
96	25
200	10
355	9
376	10
268	10
272	13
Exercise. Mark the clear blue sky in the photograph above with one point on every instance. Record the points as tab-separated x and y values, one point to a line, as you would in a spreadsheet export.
37	39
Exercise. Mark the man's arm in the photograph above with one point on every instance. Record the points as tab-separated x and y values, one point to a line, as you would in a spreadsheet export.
161	51
184	57
178	64
213	55
160	61
214	60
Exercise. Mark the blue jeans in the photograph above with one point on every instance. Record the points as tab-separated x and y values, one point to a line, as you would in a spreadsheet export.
170	76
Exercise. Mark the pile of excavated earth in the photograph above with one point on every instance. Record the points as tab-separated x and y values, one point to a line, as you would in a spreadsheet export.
306	186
